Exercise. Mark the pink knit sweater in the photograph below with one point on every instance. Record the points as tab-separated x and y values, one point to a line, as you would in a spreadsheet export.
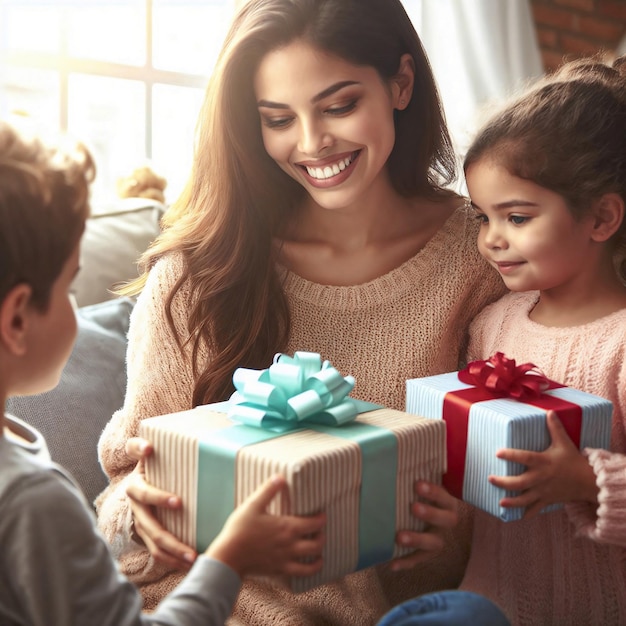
410	322
569	566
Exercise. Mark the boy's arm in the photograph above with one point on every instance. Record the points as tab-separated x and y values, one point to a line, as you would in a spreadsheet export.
57	569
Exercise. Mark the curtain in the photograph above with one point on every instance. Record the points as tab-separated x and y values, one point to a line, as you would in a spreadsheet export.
481	51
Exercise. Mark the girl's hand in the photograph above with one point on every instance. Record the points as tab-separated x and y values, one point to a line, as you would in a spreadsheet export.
559	474
440	513
256	542
163	546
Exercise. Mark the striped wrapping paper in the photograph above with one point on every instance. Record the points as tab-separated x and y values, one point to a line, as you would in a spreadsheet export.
323	472
502	423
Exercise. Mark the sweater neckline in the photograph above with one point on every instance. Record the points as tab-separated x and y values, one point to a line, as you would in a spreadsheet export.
530	300
387	286
22	435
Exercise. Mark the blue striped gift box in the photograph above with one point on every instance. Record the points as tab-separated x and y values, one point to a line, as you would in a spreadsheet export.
499	423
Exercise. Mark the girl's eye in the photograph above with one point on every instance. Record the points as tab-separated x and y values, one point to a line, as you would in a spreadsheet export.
518	219
482	218
342	110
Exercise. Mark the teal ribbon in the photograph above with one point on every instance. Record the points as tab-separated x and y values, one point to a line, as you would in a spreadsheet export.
292	391
294	394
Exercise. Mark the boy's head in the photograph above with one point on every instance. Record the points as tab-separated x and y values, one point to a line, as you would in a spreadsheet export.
44	203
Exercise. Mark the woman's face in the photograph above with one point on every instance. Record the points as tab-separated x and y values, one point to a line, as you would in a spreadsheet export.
327	123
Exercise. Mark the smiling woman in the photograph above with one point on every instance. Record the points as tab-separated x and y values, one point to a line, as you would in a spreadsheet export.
317	217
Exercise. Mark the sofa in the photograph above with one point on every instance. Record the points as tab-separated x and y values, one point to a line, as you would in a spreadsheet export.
72	416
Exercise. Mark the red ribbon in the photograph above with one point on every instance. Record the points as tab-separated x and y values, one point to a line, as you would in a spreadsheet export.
498	377
501	376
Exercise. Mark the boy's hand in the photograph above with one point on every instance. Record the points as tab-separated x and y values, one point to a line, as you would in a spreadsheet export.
559	474
256	542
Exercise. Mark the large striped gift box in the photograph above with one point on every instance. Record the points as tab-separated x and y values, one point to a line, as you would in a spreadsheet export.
361	473
497	404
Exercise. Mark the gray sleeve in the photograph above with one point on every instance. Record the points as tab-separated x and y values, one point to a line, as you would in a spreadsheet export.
56	569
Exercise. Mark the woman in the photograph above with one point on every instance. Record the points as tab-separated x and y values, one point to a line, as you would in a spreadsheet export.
316	218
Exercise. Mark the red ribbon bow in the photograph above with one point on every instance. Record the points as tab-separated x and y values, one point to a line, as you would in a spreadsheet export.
502	376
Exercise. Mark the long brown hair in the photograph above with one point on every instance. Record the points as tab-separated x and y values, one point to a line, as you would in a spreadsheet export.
237	199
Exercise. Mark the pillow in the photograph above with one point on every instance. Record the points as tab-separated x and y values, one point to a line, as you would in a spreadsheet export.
71	416
114	238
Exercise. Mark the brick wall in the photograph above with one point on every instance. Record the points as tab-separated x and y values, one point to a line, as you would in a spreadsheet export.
568	29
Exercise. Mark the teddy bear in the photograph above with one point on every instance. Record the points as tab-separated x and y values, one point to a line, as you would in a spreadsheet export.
142	183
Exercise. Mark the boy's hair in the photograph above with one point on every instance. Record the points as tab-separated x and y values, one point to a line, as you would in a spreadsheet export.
44	203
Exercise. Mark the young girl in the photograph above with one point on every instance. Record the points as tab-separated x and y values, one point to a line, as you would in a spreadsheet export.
547	180
316	218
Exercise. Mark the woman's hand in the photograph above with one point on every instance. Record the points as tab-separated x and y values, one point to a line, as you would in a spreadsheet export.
560	474
440	514
163	546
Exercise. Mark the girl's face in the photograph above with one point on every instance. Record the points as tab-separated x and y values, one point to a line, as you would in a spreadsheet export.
327	123
527	231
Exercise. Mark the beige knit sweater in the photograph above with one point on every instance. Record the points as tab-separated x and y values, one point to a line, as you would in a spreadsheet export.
410	322
567	567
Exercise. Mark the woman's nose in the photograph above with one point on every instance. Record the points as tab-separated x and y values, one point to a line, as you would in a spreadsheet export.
314	138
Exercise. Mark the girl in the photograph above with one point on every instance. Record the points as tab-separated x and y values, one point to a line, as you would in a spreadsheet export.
547	179
316	218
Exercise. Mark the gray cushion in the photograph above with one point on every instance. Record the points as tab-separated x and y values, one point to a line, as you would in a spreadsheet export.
115	237
92	386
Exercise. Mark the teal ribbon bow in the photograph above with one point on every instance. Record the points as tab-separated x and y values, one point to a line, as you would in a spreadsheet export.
292	391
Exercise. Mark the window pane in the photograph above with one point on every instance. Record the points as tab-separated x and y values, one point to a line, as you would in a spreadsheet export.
188	34
108	31
31	95
108	115
29	26
175	112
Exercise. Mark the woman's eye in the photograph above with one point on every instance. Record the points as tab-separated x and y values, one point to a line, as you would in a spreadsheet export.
342	110
276	122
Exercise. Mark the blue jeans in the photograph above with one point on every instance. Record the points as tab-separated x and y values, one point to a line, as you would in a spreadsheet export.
449	608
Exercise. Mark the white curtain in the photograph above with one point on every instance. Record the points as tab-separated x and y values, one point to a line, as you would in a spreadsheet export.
481	51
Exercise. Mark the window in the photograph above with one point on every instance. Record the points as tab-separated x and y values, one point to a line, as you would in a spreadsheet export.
127	76
124	76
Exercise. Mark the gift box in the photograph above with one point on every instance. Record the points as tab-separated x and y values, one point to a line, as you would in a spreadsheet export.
497	404
356	461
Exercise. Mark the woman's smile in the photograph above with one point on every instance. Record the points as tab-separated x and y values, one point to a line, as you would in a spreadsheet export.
330	171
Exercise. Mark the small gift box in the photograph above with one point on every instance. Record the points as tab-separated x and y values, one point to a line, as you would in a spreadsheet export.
496	404
354	460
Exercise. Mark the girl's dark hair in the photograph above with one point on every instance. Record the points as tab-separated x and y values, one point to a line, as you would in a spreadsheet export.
566	134
238	200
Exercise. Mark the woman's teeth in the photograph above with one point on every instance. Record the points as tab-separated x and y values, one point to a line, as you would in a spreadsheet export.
329	170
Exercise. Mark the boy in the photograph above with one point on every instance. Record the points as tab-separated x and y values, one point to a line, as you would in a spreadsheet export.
55	567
